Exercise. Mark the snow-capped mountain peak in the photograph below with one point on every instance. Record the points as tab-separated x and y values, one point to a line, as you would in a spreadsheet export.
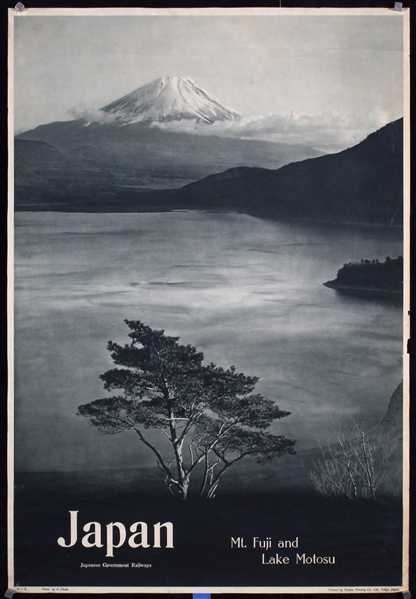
170	99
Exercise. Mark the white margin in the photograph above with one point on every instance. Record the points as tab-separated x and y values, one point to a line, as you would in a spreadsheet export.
10	302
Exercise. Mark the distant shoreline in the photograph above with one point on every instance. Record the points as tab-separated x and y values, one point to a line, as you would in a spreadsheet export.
117	209
335	285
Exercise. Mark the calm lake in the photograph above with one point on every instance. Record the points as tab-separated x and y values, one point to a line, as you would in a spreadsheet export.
245	291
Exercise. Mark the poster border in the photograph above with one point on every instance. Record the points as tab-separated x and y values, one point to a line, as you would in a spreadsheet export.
211	11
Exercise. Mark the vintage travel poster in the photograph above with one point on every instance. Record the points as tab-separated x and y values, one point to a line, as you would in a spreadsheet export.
208	265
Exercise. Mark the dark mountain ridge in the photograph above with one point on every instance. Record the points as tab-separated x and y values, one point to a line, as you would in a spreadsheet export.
134	156
363	184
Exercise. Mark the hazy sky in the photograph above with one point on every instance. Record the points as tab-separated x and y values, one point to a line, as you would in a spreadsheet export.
258	65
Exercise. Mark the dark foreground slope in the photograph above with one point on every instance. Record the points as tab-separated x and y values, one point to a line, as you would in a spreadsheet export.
277	501
362	538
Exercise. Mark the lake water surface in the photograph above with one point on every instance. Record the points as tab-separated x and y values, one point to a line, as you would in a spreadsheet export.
244	291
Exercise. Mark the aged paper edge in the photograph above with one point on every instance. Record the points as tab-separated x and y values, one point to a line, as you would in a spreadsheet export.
10	302
34	12
406	302
405	14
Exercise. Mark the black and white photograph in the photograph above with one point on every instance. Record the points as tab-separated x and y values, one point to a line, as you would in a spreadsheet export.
208	307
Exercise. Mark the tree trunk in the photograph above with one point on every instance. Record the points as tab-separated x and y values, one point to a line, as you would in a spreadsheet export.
183	489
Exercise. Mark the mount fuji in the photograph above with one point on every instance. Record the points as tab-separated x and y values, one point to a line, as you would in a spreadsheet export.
170	99
98	160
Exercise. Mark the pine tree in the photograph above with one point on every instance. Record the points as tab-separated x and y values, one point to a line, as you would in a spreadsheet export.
210	416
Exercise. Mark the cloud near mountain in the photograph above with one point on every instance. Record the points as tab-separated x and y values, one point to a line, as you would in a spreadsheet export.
180	105
329	132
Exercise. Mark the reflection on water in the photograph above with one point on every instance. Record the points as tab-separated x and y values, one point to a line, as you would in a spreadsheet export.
245	291
389	298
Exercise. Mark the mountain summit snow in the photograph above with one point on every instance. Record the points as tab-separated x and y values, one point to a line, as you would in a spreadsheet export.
170	99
